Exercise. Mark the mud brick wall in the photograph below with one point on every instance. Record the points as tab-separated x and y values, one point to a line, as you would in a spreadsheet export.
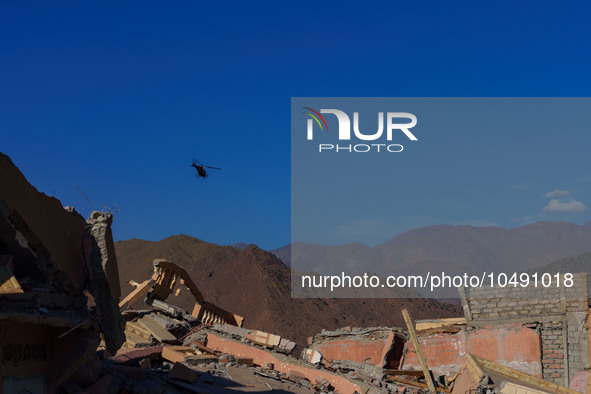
561	313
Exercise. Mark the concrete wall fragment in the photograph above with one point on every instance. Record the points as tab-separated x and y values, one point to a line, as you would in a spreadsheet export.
513	345
380	346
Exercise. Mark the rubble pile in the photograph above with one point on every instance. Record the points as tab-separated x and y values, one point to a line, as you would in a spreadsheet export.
178	351
64	329
58	286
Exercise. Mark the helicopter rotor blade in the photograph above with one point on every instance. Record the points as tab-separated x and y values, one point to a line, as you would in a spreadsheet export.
215	168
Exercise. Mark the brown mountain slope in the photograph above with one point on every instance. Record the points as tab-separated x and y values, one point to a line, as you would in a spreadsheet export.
255	284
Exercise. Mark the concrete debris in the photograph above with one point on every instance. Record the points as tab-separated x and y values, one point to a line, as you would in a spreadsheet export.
355	368
312	356
174	354
381	346
59	289
198	337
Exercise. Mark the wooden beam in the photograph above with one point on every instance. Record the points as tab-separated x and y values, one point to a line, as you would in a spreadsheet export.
415	341
474	368
138	293
522	376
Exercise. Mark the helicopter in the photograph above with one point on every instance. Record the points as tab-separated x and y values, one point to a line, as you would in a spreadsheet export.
200	168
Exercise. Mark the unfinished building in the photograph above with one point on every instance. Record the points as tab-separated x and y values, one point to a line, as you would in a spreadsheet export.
559	315
540	331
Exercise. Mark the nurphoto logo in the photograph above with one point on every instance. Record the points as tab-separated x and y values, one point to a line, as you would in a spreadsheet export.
393	127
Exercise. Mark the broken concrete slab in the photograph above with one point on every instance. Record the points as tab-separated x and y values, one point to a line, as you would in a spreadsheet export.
286	346
263	338
346	366
199	337
158	331
312	356
282	363
228	329
380	346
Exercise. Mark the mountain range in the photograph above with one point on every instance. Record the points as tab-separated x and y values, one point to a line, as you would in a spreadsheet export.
453	249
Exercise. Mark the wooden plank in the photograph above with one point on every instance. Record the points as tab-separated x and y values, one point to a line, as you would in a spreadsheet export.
521	376
439	323
512	388
181	353
415	341
138	293
474	368
174	354
156	329
415	384
8	283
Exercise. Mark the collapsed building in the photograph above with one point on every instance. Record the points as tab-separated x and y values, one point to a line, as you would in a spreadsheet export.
543	332
65	329
59	286
510	341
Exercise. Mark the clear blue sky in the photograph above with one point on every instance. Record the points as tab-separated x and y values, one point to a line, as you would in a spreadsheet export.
118	97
